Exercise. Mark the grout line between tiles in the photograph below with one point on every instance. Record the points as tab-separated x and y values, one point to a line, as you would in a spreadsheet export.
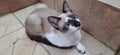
12	32
4	31
46	49
14	46
18	19
34	48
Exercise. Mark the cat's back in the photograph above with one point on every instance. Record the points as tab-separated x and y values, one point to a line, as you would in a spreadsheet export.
37	19
43	11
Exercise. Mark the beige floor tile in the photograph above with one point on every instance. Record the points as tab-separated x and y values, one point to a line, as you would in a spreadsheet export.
93	47
20	34
12	28
39	50
23	13
28	47
56	51
6	51
9	23
6	42
8	20
17	43
2	30
24	47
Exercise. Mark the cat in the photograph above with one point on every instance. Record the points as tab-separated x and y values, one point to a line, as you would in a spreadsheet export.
52	28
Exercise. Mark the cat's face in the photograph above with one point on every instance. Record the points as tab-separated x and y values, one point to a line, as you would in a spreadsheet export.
67	21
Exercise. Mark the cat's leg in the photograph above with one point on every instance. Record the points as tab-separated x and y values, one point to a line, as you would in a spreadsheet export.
81	48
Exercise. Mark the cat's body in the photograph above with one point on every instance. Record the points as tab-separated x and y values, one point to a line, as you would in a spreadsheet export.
39	19
48	26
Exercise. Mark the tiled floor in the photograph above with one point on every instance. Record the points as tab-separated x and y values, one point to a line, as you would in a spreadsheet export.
13	40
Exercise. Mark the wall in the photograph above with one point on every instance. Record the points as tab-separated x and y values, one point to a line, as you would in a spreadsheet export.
115	3
99	20
8	6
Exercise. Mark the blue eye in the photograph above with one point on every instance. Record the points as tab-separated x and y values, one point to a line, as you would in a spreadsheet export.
73	16
67	24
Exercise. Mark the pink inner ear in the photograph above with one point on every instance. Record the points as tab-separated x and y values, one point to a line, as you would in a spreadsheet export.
53	21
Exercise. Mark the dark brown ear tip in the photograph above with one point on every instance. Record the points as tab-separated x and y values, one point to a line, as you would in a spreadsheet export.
66	7
64	1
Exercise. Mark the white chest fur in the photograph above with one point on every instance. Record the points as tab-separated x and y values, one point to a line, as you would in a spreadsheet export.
64	39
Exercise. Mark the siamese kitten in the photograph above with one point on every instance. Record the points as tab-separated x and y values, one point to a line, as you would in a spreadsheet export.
52	28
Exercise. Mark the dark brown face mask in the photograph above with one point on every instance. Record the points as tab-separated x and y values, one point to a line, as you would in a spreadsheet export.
73	23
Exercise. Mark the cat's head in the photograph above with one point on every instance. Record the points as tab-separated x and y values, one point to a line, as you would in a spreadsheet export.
67	21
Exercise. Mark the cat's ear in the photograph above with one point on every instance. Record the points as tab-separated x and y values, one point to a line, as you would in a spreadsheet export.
66	7
54	21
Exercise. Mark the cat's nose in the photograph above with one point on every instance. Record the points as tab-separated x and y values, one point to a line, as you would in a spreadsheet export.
76	24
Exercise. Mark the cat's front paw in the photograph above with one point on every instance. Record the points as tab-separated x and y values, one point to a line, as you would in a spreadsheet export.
81	48
82	52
